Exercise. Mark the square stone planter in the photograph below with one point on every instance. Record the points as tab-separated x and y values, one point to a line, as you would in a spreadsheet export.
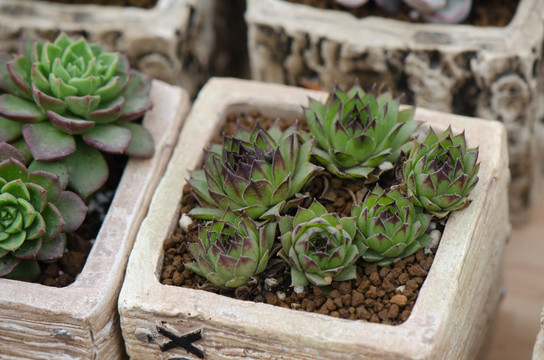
455	306
174	41
486	72
81	321
538	353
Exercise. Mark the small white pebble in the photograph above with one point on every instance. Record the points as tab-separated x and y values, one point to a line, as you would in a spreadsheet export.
435	238
299	289
270	282
295	306
400	288
280	295
184	222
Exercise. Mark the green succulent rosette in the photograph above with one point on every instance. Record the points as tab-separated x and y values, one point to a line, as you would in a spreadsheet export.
35	214
231	250
258	172
320	246
441	172
358	134
391	226
70	101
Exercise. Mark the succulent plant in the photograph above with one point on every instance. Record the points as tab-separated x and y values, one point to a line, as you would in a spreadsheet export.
441	172
320	246
391	226
258	172
35	214
357	132
435	11
231	250
71	100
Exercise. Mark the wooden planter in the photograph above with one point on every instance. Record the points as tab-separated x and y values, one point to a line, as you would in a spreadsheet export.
487	72
455	305
81	320
538	353
173	42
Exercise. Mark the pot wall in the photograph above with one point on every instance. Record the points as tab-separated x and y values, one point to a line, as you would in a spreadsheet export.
456	304
81	321
173	42
491	73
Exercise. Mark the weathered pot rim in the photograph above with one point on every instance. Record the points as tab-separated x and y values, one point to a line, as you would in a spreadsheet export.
102	274
393	33
142	291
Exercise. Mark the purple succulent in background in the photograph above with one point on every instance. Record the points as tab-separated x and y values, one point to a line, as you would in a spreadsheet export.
258	172
35	214
70	101
232	250
435	11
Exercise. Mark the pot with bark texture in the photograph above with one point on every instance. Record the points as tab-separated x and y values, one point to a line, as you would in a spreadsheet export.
455	305
172	42
81	320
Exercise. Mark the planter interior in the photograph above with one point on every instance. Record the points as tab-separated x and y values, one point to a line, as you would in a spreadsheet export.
81	320
172	42
486	72
455	305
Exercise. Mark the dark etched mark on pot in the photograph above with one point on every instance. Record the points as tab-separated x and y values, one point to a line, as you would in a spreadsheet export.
183	341
425	37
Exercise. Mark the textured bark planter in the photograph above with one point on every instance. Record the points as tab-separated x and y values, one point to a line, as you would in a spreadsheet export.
491	73
455	305
81	320
538	353
173	42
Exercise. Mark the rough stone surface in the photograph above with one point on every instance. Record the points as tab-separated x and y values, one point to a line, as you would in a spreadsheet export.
81	321
173	42
455	306
491	73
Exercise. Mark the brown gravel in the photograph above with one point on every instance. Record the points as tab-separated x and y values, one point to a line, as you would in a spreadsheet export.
378	294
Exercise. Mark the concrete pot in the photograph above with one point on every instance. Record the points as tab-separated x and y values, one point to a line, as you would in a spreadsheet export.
487	72
455	305
538	353
80	321
174	41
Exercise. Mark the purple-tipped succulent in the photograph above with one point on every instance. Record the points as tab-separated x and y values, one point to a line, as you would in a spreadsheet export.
320	246
258	172
71	100
35	214
436	11
232	250
441	172
358	133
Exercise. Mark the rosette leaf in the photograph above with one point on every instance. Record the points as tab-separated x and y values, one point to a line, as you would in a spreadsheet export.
441	172
258	172
391	226
359	135
231	250
35	214
320	246
69	92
